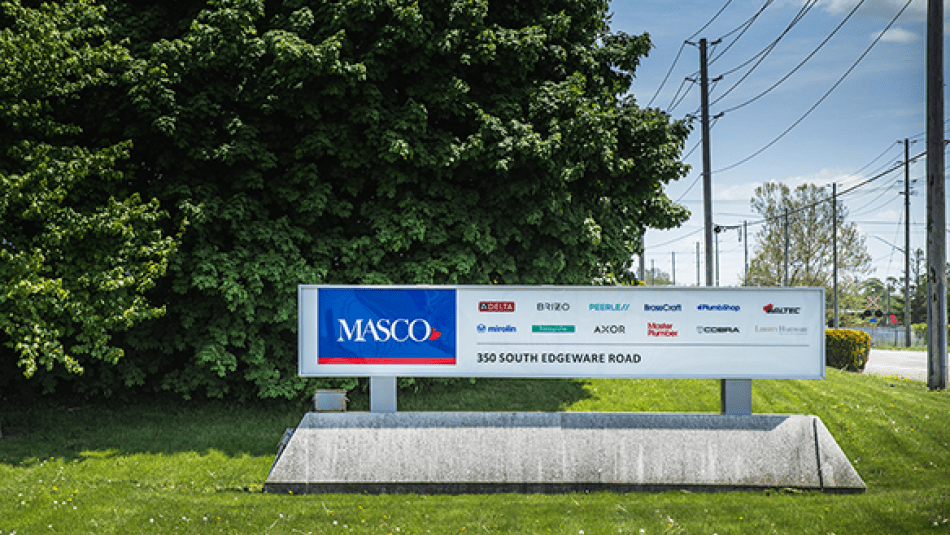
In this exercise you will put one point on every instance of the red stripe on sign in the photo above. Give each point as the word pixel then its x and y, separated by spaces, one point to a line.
pixel 450 362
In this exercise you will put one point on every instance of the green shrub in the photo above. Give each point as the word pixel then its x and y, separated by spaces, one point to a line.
pixel 846 349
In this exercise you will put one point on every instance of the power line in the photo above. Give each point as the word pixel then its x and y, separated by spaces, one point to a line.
pixel 691 37
pixel 744 27
pixel 791 72
pixel 823 97
pixel 764 53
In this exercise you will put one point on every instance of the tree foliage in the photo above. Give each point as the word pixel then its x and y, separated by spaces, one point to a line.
pixel 375 142
pixel 78 249
pixel 811 223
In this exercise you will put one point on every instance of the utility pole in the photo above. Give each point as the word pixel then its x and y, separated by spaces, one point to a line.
pixel 718 229
pixel 745 231
pixel 936 204
pixel 707 164
pixel 906 242
pixel 697 264
pixel 673 270
pixel 786 248
pixel 652 272
pixel 834 246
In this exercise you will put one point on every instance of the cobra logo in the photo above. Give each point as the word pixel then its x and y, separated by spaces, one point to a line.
pixel 384 330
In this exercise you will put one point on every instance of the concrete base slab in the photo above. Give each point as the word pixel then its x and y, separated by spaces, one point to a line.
pixel 453 453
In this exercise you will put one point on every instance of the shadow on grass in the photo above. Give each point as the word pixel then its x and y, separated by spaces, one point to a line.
pixel 159 424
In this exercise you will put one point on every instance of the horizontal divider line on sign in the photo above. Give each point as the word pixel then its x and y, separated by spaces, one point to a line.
pixel 634 344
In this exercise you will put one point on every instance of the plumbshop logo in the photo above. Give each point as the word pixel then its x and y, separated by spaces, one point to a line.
pixel 662 308
pixel 496 306
pixel 772 309
pixel 718 308
pixel 609 307
pixel 384 330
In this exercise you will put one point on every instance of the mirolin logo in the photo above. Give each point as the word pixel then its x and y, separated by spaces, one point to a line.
pixel 384 330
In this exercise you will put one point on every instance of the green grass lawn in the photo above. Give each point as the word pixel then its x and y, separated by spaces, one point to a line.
pixel 169 466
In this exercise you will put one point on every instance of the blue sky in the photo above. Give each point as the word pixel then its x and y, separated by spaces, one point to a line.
pixel 851 136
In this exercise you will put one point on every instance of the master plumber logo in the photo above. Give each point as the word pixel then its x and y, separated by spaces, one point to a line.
pixel 496 306
pixel 384 330
pixel 482 329
pixel 772 309
pixel 718 308
pixel 609 307
pixel 554 307
pixel 662 308
pixel 661 330
pixel 717 330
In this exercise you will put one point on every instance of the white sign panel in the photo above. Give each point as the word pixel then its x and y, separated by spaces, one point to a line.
pixel 547 331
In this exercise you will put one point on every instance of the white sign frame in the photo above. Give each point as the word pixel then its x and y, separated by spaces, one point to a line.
pixel 662 332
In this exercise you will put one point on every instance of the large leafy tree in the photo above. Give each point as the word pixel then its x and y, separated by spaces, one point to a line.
pixel 811 223
pixel 78 246
pixel 370 142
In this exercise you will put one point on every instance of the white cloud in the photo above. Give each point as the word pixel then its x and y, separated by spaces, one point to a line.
pixel 898 35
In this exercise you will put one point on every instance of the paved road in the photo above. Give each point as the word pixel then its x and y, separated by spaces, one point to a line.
pixel 909 364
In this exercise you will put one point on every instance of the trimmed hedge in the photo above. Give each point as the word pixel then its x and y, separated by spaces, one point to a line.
pixel 846 349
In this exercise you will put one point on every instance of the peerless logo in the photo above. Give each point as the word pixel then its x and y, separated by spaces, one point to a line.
pixel 662 308
pixel 384 330
pixel 661 330
pixel 496 306
pixel 554 307
pixel 609 329
pixel 718 308
pixel 482 329
pixel 717 330
pixel 772 309
pixel 609 307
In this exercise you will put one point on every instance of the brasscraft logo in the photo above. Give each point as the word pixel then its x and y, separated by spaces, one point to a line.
pixel 384 330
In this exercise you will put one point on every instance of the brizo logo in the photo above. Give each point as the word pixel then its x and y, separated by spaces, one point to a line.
pixel 496 306
pixel 384 330
pixel 554 307
pixel 771 309
pixel 717 330
pixel 718 308
pixel 662 308
pixel 607 307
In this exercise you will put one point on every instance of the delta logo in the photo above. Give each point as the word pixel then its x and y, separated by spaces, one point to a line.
pixel 496 306
pixel 385 330
pixel 772 309
pixel 661 330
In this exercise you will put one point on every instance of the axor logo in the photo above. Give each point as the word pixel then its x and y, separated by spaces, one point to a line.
pixel 384 330
pixel 610 329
